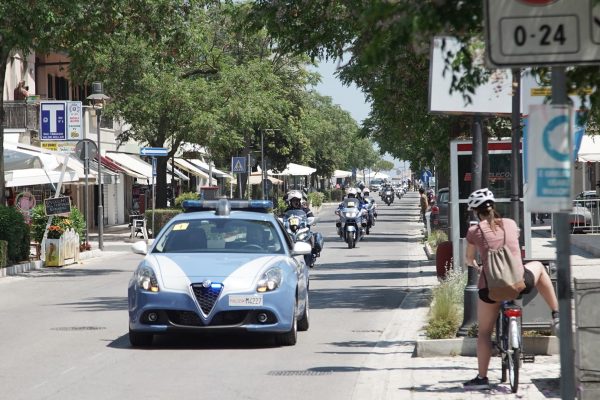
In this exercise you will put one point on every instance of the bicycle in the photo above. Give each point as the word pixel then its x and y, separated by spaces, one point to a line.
pixel 509 341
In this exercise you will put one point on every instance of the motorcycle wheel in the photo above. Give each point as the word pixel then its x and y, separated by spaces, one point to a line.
pixel 350 239
pixel 368 229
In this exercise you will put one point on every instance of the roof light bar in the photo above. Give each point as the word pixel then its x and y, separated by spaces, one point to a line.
pixel 224 206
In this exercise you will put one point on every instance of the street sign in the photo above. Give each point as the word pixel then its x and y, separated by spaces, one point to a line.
pixel 238 164
pixel 542 32
pixel 154 151
pixel 548 155
pixel 74 120
pixel 91 148
pixel 53 122
pixel 153 166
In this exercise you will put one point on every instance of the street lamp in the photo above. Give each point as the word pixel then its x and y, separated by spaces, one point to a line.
pixel 98 98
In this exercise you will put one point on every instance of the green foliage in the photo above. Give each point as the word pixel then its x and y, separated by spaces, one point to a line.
pixel 445 313
pixel 435 238
pixel 280 207
pixel 185 196
pixel 39 219
pixel 15 231
pixel 3 253
pixel 161 218
pixel 315 199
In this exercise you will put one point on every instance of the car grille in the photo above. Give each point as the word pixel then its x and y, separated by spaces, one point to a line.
pixel 186 318
pixel 207 296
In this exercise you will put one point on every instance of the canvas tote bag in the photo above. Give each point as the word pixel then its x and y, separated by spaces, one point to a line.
pixel 504 275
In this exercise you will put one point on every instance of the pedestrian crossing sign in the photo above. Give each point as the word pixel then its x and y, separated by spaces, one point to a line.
pixel 238 164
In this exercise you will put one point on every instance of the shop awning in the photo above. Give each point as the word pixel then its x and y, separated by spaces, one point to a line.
pixel 256 179
pixel 217 173
pixel 191 168
pixel 133 164
pixel 37 176
pixel 341 174
pixel 295 170
pixel 178 173
pixel 589 150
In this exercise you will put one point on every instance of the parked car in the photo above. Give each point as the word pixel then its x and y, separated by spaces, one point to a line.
pixel 580 219
pixel 439 210
pixel 220 266
pixel 589 199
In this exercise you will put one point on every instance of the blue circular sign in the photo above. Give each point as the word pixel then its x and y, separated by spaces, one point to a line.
pixel 548 143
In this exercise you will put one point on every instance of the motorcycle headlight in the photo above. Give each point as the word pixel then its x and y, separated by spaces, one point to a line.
pixel 146 279
pixel 270 280
pixel 350 214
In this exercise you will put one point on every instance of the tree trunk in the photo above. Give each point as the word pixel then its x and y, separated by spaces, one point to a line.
pixel 3 61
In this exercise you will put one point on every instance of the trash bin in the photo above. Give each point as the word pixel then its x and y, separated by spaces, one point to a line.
pixel 443 259
pixel 536 313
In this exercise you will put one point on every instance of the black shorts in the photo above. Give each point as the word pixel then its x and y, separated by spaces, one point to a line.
pixel 529 284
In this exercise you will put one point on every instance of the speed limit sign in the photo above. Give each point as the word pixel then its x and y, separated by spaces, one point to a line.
pixel 542 32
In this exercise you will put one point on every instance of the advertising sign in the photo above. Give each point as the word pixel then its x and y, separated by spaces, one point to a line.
pixel 549 156
pixel 74 120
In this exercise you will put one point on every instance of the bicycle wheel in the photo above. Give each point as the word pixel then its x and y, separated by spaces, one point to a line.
pixel 513 364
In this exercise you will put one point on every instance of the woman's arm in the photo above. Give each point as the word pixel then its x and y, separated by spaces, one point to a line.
pixel 470 256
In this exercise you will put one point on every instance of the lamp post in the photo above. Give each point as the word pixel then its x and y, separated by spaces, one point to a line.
pixel 98 98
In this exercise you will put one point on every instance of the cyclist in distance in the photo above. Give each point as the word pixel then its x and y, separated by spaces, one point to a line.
pixel 497 231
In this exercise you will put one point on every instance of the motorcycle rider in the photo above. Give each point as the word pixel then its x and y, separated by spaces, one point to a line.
pixel 352 193
pixel 295 201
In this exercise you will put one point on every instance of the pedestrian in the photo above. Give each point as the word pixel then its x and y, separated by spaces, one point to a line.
pixel 424 204
pixel 21 91
pixel 494 232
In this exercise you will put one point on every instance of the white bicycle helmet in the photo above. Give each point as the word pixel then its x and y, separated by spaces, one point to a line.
pixel 366 191
pixel 479 197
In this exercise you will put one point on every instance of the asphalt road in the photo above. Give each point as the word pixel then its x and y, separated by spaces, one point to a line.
pixel 64 331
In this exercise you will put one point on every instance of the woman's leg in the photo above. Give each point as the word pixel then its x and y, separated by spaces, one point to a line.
pixel 486 318
pixel 543 283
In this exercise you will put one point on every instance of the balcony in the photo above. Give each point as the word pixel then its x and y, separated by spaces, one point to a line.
pixel 20 115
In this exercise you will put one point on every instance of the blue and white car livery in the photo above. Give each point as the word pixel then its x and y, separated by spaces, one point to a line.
pixel 221 265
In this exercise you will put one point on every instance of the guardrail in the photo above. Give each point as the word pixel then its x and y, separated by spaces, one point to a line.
pixel 585 217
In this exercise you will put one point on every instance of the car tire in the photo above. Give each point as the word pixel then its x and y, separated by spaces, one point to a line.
pixel 288 338
pixel 138 339
pixel 303 322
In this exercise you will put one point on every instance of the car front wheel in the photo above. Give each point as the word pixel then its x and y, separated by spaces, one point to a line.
pixel 303 322
pixel 288 338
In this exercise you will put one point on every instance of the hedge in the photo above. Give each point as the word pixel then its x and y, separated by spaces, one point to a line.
pixel 15 231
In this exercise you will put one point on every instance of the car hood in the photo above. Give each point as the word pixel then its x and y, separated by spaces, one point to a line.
pixel 178 271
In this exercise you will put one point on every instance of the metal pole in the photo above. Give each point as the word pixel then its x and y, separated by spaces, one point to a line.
pixel 563 262
pixel 515 142
pixel 153 193
pixel 262 163
pixel 100 199
pixel 86 164
pixel 471 291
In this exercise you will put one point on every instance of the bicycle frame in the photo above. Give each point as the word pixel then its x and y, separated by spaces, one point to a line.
pixel 509 341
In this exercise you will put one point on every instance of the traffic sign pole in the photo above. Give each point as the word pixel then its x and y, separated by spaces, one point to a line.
pixel 563 271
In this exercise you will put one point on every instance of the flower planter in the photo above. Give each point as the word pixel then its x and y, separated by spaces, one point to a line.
pixel 62 251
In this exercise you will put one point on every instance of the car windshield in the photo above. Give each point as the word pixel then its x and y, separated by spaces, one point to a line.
pixel 220 235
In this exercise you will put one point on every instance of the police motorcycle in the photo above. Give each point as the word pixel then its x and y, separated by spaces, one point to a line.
pixel 371 207
pixel 298 225
pixel 353 222
pixel 388 195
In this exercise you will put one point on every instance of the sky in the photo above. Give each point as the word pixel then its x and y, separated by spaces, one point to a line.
pixel 349 98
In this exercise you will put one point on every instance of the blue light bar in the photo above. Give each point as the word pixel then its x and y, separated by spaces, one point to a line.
pixel 224 206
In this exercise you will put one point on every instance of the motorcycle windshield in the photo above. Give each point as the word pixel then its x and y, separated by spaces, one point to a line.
pixel 350 203
pixel 295 217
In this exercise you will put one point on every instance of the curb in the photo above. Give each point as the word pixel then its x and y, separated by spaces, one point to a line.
pixel 20 268
pixel 537 345
pixel 429 251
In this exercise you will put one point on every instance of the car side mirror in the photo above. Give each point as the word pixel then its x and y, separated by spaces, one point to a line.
pixel 140 248
pixel 301 248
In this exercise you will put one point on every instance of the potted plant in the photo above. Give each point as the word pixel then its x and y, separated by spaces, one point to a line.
pixel 53 248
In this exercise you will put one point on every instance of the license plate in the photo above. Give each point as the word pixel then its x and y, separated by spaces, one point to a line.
pixel 241 300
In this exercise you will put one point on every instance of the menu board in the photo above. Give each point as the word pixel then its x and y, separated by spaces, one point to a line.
pixel 57 205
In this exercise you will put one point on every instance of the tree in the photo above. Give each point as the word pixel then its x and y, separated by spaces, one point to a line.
pixel 40 26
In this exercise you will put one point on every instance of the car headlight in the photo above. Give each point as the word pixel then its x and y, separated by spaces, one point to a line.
pixel 270 280
pixel 146 279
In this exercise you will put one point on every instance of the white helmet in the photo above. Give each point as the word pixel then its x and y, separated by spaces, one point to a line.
pixel 478 197
pixel 366 191
pixel 352 191
pixel 294 194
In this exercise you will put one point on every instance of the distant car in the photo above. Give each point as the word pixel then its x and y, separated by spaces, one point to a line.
pixel 439 210
pixel 220 266
pixel 589 199
pixel 580 219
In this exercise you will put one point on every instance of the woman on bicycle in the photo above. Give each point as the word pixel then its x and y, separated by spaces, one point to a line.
pixel 498 231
